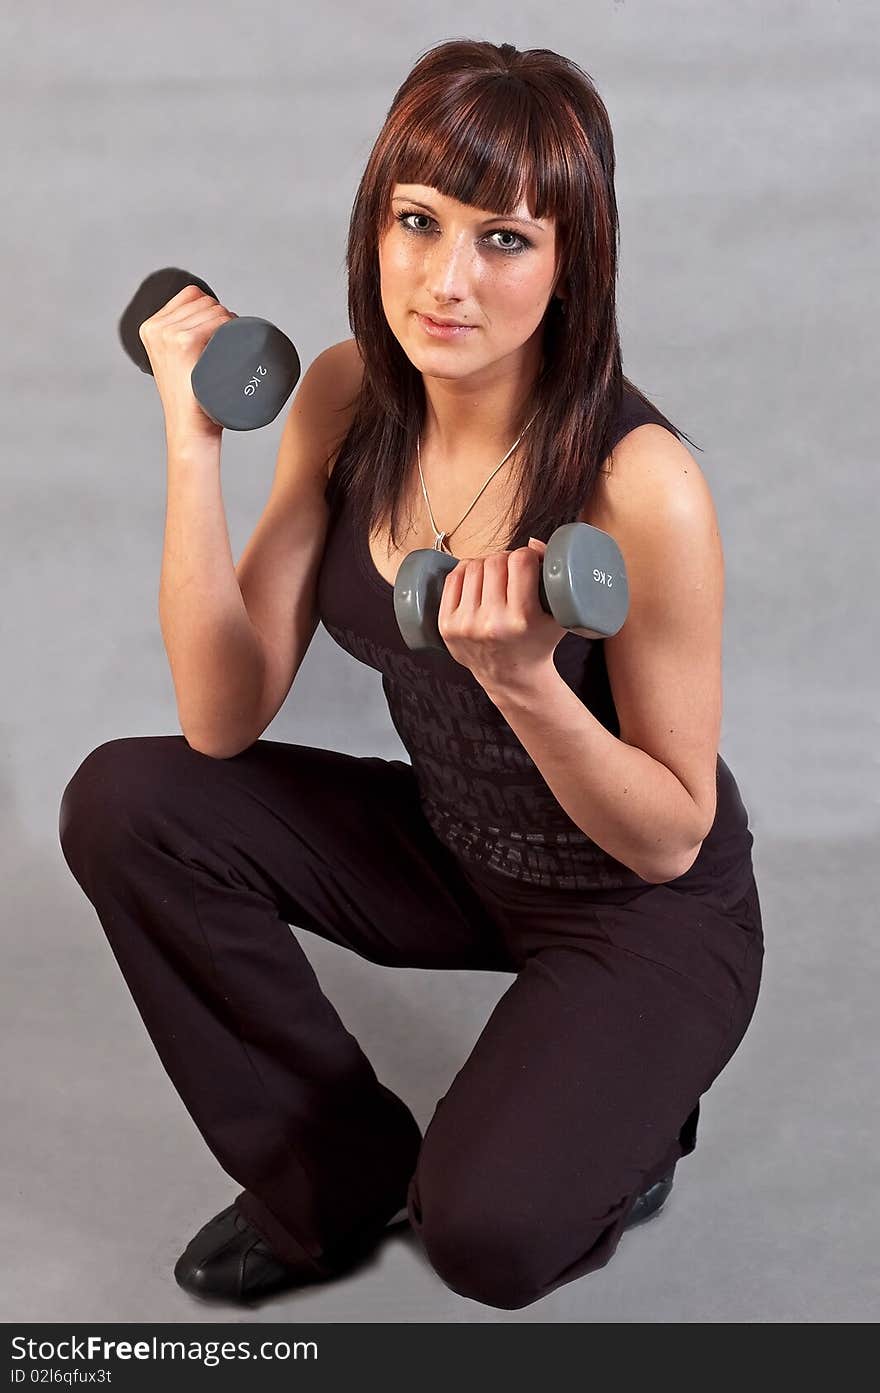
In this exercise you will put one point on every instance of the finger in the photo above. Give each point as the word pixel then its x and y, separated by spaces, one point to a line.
pixel 187 296
pixel 523 571
pixel 495 580
pixel 450 595
pixel 200 314
pixel 472 585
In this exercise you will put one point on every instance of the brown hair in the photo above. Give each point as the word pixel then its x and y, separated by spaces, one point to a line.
pixel 488 125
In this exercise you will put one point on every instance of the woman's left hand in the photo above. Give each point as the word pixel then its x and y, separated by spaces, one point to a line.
pixel 491 620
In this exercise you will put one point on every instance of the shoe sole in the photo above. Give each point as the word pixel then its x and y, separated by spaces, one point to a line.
pixel 650 1203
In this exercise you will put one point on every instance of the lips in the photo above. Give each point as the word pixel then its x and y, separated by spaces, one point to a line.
pixel 446 323
pixel 449 333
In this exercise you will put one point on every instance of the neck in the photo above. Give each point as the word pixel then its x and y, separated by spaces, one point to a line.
pixel 479 416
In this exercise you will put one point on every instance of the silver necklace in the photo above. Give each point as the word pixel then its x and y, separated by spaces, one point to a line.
pixel 440 538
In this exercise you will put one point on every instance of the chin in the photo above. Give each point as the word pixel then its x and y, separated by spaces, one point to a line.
pixel 434 357
pixel 433 365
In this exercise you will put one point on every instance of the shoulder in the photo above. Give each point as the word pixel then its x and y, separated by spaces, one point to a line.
pixel 654 500
pixel 333 380
pixel 649 468
pixel 342 371
pixel 337 373
pixel 350 361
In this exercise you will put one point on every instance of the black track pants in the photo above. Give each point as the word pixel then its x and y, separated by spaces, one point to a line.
pixel 582 1088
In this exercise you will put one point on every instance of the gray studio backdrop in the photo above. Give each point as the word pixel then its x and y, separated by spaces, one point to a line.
pixel 229 139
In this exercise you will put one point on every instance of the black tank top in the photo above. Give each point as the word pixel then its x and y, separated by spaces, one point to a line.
pixel 480 790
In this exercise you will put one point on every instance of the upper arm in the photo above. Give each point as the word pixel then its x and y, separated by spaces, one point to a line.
pixel 278 569
pixel 664 665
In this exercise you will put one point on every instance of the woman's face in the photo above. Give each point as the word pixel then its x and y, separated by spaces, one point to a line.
pixel 439 257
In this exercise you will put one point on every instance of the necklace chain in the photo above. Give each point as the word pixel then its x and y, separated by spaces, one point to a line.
pixel 440 538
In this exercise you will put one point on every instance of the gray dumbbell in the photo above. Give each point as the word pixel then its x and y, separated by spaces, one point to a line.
pixel 247 369
pixel 582 583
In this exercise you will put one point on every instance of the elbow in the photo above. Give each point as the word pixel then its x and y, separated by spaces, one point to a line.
pixel 666 872
pixel 216 751
pixel 219 744
pixel 665 875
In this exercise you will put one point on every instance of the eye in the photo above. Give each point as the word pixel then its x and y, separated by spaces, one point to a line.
pixel 522 242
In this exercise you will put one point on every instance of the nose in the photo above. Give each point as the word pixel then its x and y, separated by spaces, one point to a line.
pixel 449 270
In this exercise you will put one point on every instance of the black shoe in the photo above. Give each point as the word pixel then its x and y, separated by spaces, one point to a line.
pixel 650 1201
pixel 230 1260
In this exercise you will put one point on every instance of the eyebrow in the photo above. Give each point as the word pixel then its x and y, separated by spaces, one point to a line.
pixel 499 217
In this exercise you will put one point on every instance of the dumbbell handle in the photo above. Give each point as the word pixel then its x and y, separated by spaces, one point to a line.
pixel 418 590
pixel 582 583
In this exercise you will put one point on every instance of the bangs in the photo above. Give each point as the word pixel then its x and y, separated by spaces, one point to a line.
pixel 485 148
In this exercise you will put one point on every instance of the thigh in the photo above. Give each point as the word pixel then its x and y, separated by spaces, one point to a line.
pixel 582 1089
pixel 334 843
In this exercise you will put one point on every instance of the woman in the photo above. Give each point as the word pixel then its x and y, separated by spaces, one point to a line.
pixel 566 816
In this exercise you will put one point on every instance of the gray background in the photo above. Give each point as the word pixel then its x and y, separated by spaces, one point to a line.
pixel 229 139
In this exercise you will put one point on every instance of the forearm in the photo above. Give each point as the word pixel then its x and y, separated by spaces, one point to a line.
pixel 623 799
pixel 213 650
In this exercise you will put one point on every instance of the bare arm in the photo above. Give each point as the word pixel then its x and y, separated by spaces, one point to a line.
pixel 236 635
pixel 214 651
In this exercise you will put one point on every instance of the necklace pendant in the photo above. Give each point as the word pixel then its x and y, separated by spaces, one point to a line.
pixel 440 541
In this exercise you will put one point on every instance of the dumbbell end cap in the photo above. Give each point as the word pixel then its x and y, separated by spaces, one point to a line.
pixel 246 373
pixel 154 291
pixel 418 589
pixel 584 577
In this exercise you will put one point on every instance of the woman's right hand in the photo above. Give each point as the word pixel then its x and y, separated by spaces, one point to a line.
pixel 175 338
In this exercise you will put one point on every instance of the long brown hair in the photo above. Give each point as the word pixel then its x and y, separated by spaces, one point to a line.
pixel 486 125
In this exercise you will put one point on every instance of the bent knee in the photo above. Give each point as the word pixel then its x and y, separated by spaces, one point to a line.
pixel 497 1262
pixel 496 1255
pixel 113 785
